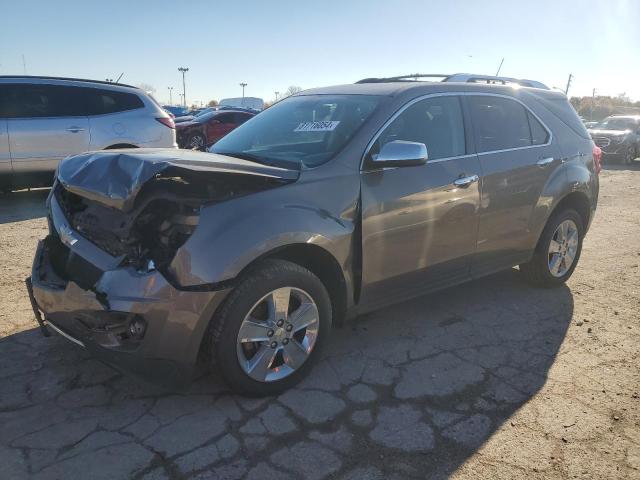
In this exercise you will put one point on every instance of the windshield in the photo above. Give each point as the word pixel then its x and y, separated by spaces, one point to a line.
pixel 617 123
pixel 307 129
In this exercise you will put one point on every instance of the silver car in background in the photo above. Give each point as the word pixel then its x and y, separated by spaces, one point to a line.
pixel 45 119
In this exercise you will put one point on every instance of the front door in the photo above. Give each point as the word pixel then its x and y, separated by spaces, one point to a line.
pixel 419 228
pixel 46 123
pixel 517 157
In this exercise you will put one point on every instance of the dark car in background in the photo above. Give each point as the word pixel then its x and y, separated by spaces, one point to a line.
pixel 619 138
pixel 204 130
pixel 176 111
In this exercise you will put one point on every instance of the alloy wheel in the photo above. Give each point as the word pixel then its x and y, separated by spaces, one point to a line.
pixel 278 334
pixel 196 142
pixel 563 248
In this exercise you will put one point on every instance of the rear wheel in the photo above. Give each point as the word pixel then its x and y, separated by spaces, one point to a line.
pixel 270 329
pixel 196 141
pixel 630 155
pixel 557 252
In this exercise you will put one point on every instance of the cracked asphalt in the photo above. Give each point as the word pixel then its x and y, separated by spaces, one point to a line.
pixel 493 379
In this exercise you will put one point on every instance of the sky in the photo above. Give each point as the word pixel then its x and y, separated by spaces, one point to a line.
pixel 273 44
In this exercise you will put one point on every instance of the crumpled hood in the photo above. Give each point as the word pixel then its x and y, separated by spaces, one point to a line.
pixel 115 177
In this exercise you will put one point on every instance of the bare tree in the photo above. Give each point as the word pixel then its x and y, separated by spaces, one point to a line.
pixel 292 90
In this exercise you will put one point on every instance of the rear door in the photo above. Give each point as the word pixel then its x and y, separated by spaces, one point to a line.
pixel 45 124
pixel 219 126
pixel 517 156
pixel 418 228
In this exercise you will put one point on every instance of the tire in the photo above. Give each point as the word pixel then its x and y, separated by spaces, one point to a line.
pixel 543 270
pixel 629 156
pixel 196 141
pixel 254 294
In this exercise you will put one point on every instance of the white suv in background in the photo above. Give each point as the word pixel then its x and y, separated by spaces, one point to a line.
pixel 45 119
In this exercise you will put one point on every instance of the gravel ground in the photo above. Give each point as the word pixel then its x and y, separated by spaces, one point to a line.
pixel 492 379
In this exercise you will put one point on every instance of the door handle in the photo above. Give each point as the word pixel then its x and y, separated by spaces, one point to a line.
pixel 75 129
pixel 543 162
pixel 465 181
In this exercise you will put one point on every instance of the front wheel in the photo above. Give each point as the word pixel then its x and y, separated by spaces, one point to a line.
pixel 557 252
pixel 270 329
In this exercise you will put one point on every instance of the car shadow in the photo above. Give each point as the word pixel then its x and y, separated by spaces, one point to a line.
pixel 412 391
pixel 23 205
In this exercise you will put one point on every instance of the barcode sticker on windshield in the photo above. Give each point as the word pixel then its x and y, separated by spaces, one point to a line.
pixel 317 126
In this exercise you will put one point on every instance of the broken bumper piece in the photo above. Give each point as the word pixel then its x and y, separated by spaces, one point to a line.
pixel 135 321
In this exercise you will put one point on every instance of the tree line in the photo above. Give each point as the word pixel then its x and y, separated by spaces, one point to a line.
pixel 598 107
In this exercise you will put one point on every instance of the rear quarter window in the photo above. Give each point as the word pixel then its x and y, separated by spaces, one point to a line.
pixel 562 109
pixel 100 102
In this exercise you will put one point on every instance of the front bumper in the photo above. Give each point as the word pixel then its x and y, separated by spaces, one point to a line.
pixel 96 307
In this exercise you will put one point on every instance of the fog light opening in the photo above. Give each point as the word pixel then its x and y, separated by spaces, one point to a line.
pixel 137 327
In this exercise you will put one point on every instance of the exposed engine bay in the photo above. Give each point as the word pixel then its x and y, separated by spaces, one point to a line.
pixel 164 213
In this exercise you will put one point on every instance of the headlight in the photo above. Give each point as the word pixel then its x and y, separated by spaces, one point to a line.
pixel 619 140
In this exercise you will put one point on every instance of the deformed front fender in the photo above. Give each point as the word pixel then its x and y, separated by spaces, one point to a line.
pixel 231 235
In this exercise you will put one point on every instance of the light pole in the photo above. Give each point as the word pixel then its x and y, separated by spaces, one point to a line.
pixel 243 85
pixel 593 101
pixel 170 96
pixel 184 88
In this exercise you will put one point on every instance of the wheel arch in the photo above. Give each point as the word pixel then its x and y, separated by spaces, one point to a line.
pixel 576 200
pixel 321 263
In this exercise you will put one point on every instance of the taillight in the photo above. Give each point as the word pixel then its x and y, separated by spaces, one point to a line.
pixel 167 122
pixel 597 158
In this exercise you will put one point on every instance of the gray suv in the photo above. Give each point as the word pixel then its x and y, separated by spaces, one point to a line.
pixel 334 202
pixel 44 119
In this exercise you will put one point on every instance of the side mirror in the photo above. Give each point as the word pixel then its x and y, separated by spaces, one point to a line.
pixel 401 154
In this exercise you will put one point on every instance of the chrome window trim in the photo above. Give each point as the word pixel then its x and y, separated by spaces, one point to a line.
pixel 452 94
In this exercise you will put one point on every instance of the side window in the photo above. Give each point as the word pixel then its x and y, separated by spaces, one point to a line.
pixel 437 122
pixel 101 102
pixel 37 101
pixel 240 118
pixel 539 135
pixel 500 123
pixel 225 118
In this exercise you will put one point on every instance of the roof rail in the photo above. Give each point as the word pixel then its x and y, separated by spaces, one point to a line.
pixel 39 77
pixel 459 77
pixel 492 79
pixel 404 78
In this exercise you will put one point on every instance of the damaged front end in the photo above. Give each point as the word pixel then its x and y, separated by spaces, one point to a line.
pixel 148 216
pixel 116 221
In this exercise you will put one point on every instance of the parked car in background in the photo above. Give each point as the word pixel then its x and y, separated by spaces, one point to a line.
pixel 44 119
pixel 176 110
pixel 205 129
pixel 329 204
pixel 590 124
pixel 194 113
pixel 619 138
pixel 253 103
